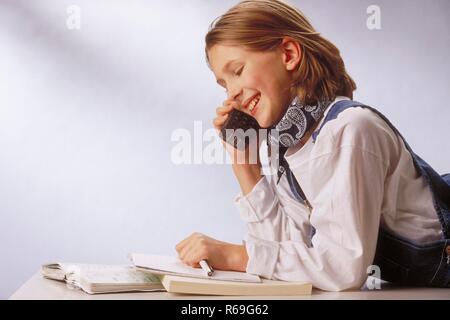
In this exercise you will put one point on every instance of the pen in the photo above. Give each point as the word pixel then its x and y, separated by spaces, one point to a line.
pixel 206 267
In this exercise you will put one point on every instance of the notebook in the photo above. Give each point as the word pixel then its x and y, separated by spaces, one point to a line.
pixel 163 273
pixel 169 265
pixel 94 279
pixel 179 278
pixel 189 285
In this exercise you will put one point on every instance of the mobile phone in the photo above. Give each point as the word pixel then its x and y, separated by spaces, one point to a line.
pixel 239 120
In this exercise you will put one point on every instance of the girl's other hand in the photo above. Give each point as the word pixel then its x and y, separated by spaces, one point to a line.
pixel 220 255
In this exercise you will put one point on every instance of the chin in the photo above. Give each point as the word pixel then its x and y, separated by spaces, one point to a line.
pixel 265 118
pixel 264 121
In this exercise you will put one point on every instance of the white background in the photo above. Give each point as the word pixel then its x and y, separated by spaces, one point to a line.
pixel 86 119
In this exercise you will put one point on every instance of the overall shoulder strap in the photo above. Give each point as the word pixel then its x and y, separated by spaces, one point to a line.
pixel 439 185
pixel 335 110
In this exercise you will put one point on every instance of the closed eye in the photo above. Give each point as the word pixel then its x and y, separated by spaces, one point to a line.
pixel 238 73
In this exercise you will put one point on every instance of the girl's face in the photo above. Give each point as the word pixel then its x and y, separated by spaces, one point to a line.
pixel 262 77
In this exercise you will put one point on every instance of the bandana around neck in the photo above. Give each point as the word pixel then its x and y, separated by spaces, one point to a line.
pixel 297 121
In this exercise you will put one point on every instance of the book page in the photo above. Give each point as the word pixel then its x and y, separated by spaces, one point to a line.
pixel 109 274
pixel 95 278
pixel 173 266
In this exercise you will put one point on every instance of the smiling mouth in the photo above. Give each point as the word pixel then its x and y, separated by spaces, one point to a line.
pixel 252 105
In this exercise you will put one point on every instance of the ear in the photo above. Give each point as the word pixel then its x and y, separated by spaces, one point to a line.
pixel 291 53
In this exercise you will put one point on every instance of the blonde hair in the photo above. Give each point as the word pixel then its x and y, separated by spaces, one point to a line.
pixel 260 25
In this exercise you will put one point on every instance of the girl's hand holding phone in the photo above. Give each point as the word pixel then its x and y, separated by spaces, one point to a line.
pixel 242 145
pixel 246 166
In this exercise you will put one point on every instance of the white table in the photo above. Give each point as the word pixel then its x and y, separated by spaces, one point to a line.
pixel 38 288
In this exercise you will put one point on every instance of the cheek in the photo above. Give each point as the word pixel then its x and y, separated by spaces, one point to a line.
pixel 256 82
pixel 274 88
pixel 272 83
pixel 272 108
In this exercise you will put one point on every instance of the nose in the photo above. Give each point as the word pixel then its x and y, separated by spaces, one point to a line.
pixel 234 93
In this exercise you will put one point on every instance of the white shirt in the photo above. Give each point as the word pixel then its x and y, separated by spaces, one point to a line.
pixel 357 175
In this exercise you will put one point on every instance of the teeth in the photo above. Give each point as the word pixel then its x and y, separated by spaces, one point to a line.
pixel 253 103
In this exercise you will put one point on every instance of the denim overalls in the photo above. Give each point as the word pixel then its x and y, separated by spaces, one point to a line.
pixel 400 260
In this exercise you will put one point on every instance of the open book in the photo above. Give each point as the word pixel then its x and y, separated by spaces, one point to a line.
pixel 93 278
pixel 163 273
pixel 179 278
pixel 168 265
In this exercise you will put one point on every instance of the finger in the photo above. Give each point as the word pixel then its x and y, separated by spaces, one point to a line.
pixel 230 104
pixel 180 245
pixel 194 255
pixel 220 121
pixel 225 109
pixel 183 253
pixel 184 242
pixel 193 250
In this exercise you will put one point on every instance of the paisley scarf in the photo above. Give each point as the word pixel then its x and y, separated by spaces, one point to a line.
pixel 296 122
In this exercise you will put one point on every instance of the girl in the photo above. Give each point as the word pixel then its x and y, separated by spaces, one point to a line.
pixel 349 193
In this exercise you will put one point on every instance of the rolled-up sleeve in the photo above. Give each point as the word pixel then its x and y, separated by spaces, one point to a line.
pixel 346 215
pixel 272 214
pixel 260 203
